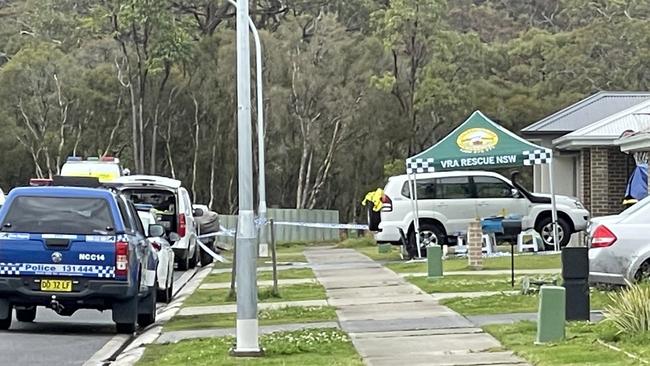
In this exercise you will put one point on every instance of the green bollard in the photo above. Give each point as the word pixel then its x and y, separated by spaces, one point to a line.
pixel 551 314
pixel 384 248
pixel 434 261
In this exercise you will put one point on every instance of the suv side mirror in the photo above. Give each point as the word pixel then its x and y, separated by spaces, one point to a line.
pixel 197 212
pixel 515 193
pixel 156 231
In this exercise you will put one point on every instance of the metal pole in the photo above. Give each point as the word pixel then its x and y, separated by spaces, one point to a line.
pixel 261 188
pixel 246 255
pixel 274 260
pixel 553 207
pixel 261 211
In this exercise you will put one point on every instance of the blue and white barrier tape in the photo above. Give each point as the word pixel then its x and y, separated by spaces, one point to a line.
pixel 222 232
pixel 212 253
pixel 323 226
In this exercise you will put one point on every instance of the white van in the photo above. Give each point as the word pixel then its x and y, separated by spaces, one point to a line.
pixel 449 201
pixel 106 168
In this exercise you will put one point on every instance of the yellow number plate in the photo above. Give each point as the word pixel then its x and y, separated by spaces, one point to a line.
pixel 56 285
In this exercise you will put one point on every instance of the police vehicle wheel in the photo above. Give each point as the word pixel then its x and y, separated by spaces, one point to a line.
pixel 125 328
pixel 170 291
pixel 149 317
pixel 26 315
pixel 5 323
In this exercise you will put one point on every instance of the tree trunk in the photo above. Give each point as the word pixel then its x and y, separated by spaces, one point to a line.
pixel 196 146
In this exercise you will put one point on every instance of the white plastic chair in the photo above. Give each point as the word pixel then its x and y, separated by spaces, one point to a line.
pixel 529 239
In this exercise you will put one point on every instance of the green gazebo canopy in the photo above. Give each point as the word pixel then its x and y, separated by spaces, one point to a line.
pixel 478 143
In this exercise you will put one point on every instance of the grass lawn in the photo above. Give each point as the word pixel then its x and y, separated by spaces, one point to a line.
pixel 506 303
pixel 307 291
pixel 460 264
pixel 368 246
pixel 314 347
pixel 286 315
pixel 287 274
pixel 580 347
pixel 471 283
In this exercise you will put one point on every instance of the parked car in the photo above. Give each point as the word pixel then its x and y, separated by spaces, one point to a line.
pixel 156 237
pixel 173 207
pixel 70 248
pixel 619 251
pixel 207 222
pixel 448 201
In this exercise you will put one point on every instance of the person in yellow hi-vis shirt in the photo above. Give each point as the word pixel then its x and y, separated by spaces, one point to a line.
pixel 373 203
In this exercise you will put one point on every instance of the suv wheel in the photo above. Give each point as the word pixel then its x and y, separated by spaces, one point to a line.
pixel 5 323
pixel 125 328
pixel 430 234
pixel 545 229
pixel 195 258
pixel 26 315
pixel 148 314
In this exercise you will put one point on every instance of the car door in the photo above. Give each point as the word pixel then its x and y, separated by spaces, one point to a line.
pixel 455 202
pixel 495 197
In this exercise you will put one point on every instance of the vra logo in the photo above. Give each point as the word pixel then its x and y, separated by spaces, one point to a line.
pixel 91 257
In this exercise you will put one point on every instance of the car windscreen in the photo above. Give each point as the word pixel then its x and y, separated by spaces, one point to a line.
pixel 59 215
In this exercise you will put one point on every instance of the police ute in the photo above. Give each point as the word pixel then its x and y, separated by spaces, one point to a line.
pixel 69 247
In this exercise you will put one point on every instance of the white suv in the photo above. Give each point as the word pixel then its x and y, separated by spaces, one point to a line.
pixel 173 207
pixel 448 201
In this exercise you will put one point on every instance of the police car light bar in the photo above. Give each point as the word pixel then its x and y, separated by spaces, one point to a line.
pixel 38 182
pixel 93 158
pixel 107 158
pixel 74 158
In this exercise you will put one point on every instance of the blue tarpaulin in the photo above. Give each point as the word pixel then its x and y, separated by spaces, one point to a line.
pixel 637 186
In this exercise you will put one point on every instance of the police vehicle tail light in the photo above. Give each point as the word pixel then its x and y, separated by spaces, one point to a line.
pixel 182 225
pixel 121 258
pixel 387 203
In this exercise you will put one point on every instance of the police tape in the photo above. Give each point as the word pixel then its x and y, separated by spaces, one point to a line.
pixel 259 222
pixel 322 225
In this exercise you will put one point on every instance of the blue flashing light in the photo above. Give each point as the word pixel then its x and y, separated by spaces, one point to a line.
pixel 74 158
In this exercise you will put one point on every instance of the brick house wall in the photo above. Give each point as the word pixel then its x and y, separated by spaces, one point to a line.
pixel 607 180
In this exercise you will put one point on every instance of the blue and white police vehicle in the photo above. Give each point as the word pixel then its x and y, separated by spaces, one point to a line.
pixel 70 248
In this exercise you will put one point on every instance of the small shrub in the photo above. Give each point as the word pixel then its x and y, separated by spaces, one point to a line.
pixel 630 309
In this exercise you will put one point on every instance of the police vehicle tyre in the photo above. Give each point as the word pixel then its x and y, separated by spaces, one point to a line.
pixel 125 328
pixel 5 323
pixel 205 257
pixel 26 315
pixel 374 218
pixel 148 316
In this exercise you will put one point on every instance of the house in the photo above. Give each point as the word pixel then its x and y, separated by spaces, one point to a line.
pixel 588 163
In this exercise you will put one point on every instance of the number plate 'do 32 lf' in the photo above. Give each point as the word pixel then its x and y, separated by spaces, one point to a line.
pixel 56 285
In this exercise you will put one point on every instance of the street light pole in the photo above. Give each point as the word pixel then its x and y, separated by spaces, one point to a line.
pixel 261 187
pixel 246 253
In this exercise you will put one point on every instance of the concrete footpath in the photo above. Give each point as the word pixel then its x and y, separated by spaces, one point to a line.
pixel 392 322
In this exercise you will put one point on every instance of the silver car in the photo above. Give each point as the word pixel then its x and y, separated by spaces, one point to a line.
pixel 620 246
